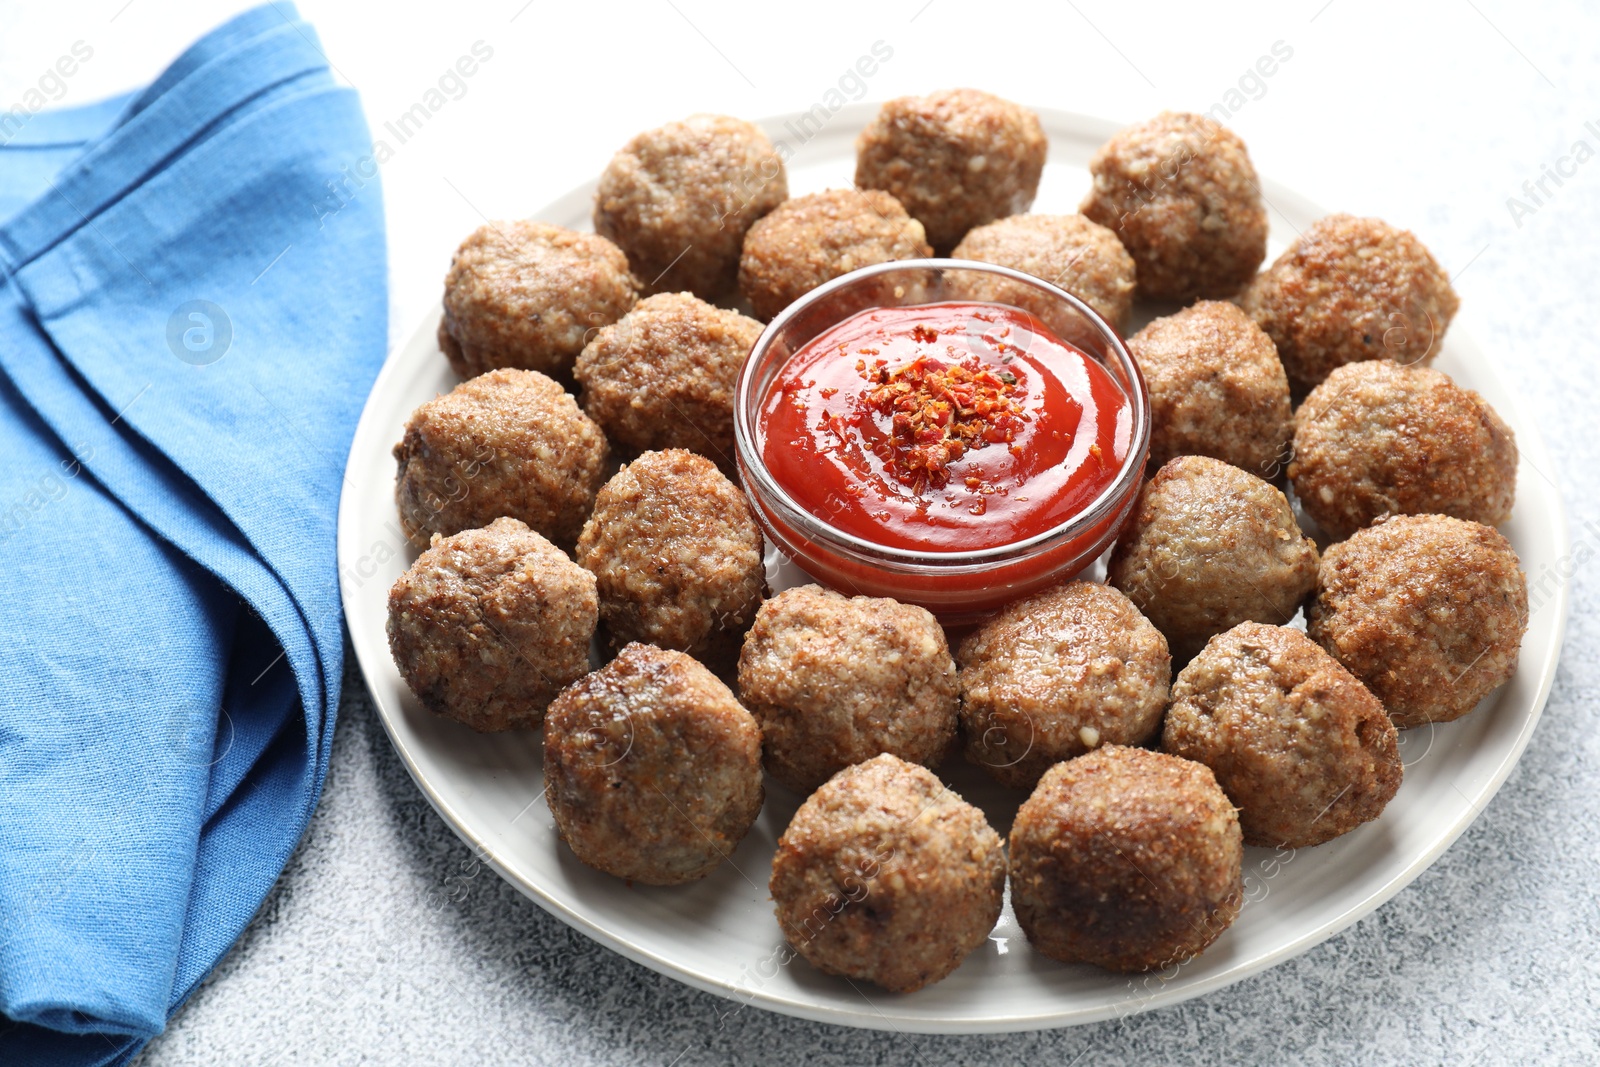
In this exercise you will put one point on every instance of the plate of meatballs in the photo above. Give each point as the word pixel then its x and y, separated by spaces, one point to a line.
pixel 1316 634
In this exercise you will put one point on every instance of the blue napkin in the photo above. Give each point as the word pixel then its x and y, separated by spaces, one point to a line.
pixel 193 295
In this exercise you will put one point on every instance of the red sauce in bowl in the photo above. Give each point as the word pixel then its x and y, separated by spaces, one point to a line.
pixel 943 427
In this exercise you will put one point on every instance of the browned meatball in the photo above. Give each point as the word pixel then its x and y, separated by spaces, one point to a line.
pixel 1181 193
pixel 1128 859
pixel 677 555
pixel 1427 610
pixel 813 239
pixel 1216 389
pixel 1209 547
pixel 1351 289
pixel 1068 251
pixel 652 769
pixel 488 625
pixel 1057 674
pixel 836 680
pixel 1301 747
pixel 509 442
pixel 663 376
pixel 1377 438
pixel 886 875
pixel 679 199
pixel 501 443
pixel 956 159
pixel 526 294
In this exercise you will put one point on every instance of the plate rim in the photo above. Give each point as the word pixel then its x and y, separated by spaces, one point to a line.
pixel 1091 126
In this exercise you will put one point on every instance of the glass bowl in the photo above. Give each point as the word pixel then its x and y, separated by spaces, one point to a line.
pixel 957 586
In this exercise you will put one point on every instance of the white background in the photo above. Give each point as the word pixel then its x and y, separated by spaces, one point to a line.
pixel 386 944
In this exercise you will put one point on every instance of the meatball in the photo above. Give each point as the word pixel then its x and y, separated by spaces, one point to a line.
pixel 652 769
pixel 663 376
pixel 1427 610
pixel 509 442
pixel 1347 290
pixel 813 239
pixel 1180 192
pixel 488 625
pixel 679 199
pixel 1128 859
pixel 836 680
pixel 525 294
pixel 886 875
pixel 677 555
pixel 956 159
pixel 1068 251
pixel 1211 546
pixel 1216 389
pixel 1377 438
pixel 1057 674
pixel 1301 747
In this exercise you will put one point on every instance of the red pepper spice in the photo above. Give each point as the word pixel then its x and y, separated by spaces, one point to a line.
pixel 939 412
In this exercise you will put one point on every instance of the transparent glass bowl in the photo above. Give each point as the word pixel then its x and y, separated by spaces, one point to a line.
pixel 958 587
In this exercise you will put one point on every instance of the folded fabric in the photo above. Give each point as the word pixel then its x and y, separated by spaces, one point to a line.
pixel 192 310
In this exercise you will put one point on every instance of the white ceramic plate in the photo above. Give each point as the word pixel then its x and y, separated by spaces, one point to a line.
pixel 720 934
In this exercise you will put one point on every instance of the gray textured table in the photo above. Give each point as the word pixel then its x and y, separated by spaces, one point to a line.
pixel 385 942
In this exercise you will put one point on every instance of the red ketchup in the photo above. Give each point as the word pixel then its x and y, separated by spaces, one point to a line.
pixel 943 427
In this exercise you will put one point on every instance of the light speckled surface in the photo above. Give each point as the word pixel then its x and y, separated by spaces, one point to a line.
pixel 386 943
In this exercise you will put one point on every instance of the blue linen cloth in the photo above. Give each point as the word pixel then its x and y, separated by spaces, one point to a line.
pixel 193 306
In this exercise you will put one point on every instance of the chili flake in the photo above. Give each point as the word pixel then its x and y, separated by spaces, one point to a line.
pixel 938 412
